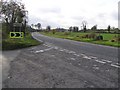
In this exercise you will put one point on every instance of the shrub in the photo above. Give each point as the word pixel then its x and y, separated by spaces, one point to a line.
pixel 116 38
pixel 112 40
pixel 91 35
pixel 77 36
pixel 100 37
pixel 85 36
pixel 53 31
pixel 67 33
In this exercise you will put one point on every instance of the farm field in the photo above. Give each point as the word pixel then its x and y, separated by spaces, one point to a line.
pixel 107 37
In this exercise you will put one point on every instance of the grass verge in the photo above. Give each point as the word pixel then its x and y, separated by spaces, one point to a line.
pixel 12 44
pixel 74 36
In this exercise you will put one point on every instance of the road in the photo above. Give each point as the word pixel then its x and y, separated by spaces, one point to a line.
pixel 61 63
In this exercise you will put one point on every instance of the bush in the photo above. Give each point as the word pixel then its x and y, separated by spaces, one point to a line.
pixel 112 40
pixel 91 35
pixel 77 36
pixel 116 39
pixel 53 31
pixel 67 33
pixel 99 37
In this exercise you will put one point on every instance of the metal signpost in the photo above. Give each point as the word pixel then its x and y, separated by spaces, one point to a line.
pixel 17 32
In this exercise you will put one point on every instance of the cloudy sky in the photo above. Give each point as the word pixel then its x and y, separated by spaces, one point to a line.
pixel 66 13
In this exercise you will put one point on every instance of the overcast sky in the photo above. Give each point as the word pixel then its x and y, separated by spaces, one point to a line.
pixel 66 13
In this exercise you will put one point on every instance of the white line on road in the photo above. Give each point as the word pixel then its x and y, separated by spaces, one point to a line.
pixel 40 51
pixel 115 66
pixel 86 57
pixel 72 58
pixel 100 61
pixel 93 57
pixel 106 60
pixel 72 52
pixel 76 55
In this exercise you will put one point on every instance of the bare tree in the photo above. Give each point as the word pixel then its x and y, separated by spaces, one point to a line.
pixel 84 25
pixel 108 28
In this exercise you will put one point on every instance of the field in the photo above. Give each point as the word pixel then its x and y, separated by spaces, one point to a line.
pixel 107 37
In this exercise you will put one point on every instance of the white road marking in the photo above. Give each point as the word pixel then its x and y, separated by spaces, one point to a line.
pixel 48 49
pixel 40 51
pixel 93 57
pixel 95 65
pixel 118 64
pixel 115 66
pixel 106 60
pixel 61 50
pixel 86 57
pixel 72 58
pixel 55 47
pixel 76 55
pixel 96 68
pixel 72 52
pixel 83 54
pixel 100 61
pixel 67 51
pixel 53 55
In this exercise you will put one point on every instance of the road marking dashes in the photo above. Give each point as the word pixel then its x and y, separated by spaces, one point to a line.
pixel 93 57
pixel 86 57
pixel 100 61
pixel 106 60
pixel 40 51
pixel 96 68
pixel 72 52
pixel 72 58
pixel 115 66
pixel 77 55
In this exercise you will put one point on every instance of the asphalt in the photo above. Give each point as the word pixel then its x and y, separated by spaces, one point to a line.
pixel 61 63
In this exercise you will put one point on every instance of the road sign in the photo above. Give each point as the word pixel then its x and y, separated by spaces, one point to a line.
pixel 16 34
pixel 17 24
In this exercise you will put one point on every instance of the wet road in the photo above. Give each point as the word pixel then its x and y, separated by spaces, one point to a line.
pixel 61 63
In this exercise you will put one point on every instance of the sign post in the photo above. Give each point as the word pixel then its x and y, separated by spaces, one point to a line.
pixel 17 32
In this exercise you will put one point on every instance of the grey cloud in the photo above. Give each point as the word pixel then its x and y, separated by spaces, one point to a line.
pixel 115 15
pixel 77 17
pixel 50 10
pixel 101 15
pixel 44 23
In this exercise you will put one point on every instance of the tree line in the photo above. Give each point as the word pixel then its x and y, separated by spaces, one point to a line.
pixel 13 12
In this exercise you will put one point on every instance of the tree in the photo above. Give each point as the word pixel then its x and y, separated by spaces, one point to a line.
pixel 32 25
pixel 109 28
pixel 70 28
pixel 75 29
pixel 13 12
pixel 84 25
pixel 48 28
pixel 94 28
pixel 39 26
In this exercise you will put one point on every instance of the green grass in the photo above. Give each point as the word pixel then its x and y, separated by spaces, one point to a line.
pixel 74 36
pixel 11 44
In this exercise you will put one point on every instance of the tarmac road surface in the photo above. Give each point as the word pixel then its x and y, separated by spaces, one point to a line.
pixel 61 63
